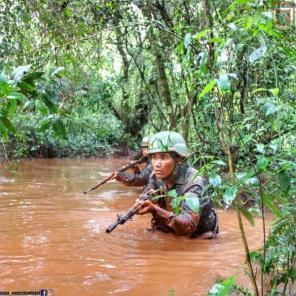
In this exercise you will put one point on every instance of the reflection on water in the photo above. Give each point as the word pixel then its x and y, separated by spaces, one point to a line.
pixel 53 236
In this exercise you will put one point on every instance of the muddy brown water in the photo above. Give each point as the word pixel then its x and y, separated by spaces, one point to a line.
pixel 53 236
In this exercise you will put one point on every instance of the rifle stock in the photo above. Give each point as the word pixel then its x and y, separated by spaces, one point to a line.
pixel 120 170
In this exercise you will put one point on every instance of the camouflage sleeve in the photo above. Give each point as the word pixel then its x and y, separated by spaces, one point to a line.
pixel 140 179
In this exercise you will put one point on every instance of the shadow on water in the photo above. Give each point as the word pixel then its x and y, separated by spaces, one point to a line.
pixel 53 236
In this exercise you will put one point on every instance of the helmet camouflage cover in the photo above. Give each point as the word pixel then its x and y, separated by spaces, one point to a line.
pixel 145 142
pixel 168 141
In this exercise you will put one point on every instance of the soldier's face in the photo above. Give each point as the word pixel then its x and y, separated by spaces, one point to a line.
pixel 163 164
pixel 145 151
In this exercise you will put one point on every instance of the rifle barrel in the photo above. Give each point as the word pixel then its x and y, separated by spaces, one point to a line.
pixel 121 169
pixel 112 226
pixel 100 183
pixel 121 219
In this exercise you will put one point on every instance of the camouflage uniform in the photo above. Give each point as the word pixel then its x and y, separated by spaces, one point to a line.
pixel 137 179
pixel 188 222
pixel 140 178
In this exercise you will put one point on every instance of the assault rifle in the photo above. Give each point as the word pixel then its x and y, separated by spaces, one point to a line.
pixel 121 219
pixel 120 170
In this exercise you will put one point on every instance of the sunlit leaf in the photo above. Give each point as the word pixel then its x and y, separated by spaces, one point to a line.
pixel 16 95
pixel 268 14
pixel 56 72
pixel 251 181
pixel 219 162
pixel 222 288
pixel 240 175
pixel 230 194
pixel 193 203
pixel 172 193
pixel 260 148
pixel 232 26
pixel 19 72
pixel 215 180
pixel 248 215
pixel 207 88
pixel 187 40
pixel 257 54
pixel 223 82
pixel 269 108
pixel 274 91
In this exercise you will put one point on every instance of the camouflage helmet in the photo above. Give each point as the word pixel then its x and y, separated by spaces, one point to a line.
pixel 168 141
pixel 145 142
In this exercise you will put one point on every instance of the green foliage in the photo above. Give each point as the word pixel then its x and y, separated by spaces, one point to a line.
pixel 279 257
pixel 222 288
pixel 104 73
pixel 27 89
pixel 177 202
pixel 228 287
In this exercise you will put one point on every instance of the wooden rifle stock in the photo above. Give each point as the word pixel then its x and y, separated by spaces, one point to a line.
pixel 121 169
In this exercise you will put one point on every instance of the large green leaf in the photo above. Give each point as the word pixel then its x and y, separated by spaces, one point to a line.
pixel 11 107
pixel 257 54
pixel 172 193
pixel 7 124
pixel 32 76
pixel 16 95
pixel 223 82
pixel 262 164
pixel 193 203
pixel 230 194
pixel 207 88
pixel 285 181
pixel 215 180
pixel 248 215
pixel 223 288
pixel 4 88
pixel 49 103
pixel 271 205
pixel 26 88
pixel 269 108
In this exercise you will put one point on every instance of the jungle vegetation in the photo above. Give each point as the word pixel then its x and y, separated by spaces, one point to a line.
pixel 91 78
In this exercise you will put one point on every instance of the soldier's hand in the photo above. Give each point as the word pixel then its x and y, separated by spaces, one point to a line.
pixel 136 170
pixel 120 177
pixel 145 206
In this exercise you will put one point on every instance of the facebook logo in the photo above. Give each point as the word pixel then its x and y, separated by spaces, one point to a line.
pixel 43 292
